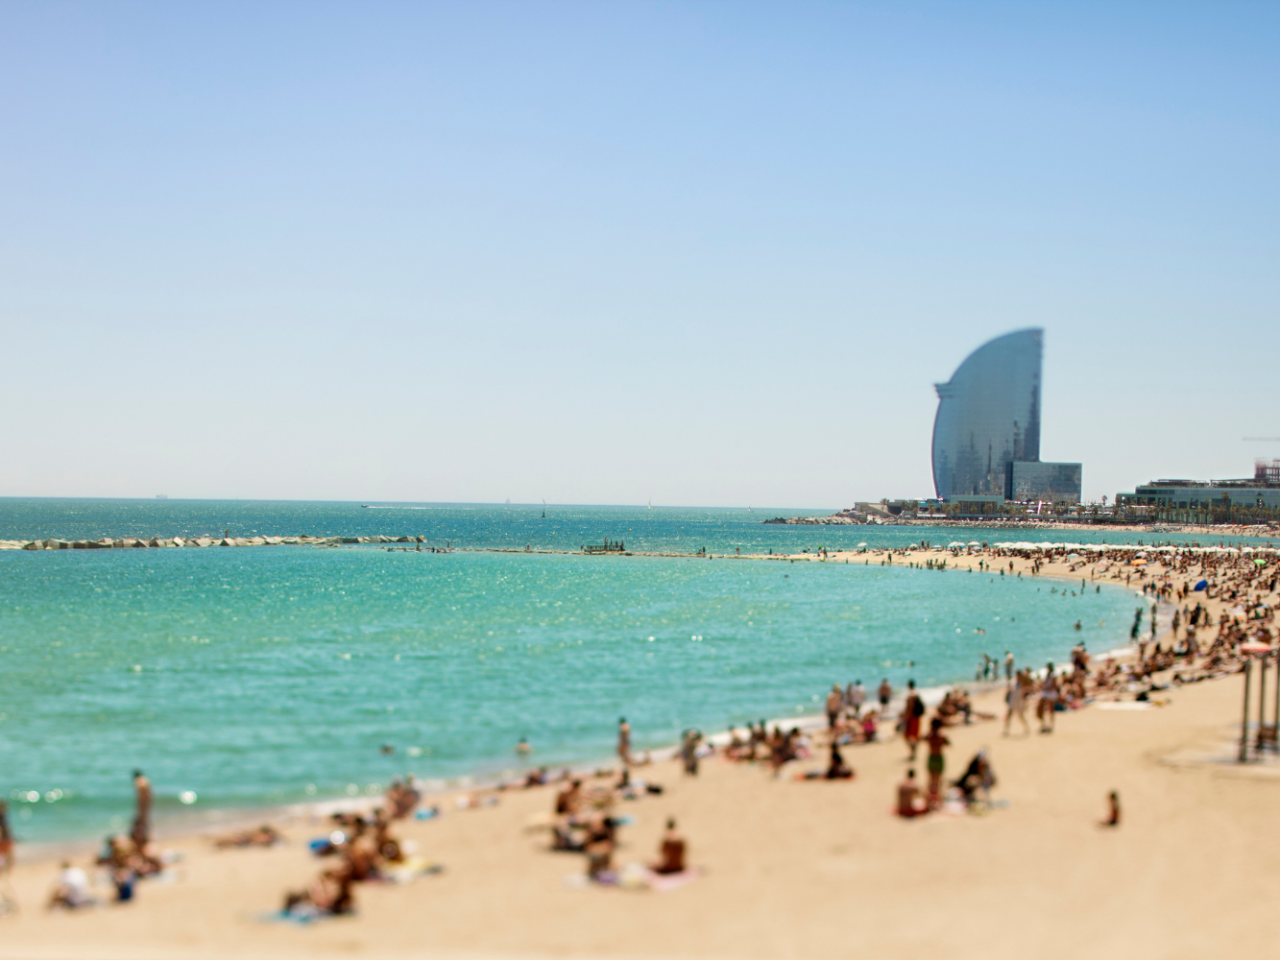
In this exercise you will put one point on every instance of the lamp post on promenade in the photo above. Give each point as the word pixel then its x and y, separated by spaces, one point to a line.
pixel 1244 722
pixel 1260 651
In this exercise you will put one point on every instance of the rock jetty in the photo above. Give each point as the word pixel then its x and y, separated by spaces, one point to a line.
pixel 156 542
pixel 852 516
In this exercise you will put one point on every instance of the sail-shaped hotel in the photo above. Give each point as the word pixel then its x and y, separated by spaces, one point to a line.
pixel 986 436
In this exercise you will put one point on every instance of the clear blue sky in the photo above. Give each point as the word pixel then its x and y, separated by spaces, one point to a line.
pixel 710 253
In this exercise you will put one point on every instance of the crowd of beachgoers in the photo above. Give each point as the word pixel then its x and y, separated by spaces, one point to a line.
pixel 1223 604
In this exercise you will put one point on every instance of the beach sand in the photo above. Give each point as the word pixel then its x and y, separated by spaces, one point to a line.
pixel 789 868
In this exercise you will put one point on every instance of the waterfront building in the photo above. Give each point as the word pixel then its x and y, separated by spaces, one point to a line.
pixel 986 435
pixel 1193 501
pixel 1054 482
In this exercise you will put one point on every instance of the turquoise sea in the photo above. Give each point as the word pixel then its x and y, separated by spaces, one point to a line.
pixel 268 675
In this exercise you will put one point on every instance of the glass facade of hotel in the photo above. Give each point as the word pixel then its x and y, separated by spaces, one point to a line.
pixel 988 416
pixel 1051 482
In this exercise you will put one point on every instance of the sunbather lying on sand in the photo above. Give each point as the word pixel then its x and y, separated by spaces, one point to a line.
pixel 330 894
pixel 263 836
pixel 629 789
pixel 837 769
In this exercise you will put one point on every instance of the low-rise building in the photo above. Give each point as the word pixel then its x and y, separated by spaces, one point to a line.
pixel 1193 501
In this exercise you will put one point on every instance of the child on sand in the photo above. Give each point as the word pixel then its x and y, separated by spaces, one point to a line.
pixel 937 762
pixel 72 889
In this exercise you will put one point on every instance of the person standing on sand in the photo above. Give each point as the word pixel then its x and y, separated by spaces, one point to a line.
pixel 912 711
pixel 937 762
pixel 885 693
pixel 1008 667
pixel 835 702
pixel 857 697
pixel 1113 814
pixel 690 740
pixel 7 856
pixel 624 741
pixel 1016 698
pixel 142 817
pixel 1048 700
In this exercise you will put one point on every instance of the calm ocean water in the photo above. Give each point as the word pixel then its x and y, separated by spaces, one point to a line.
pixel 266 675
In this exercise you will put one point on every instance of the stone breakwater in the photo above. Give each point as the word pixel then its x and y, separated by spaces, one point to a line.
pixel 157 542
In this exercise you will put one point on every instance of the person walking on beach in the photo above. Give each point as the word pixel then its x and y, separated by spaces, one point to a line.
pixel 1048 700
pixel 885 694
pixel 912 711
pixel 1113 812
pixel 624 741
pixel 142 817
pixel 689 743
pixel 857 697
pixel 1008 667
pixel 7 901
pixel 835 702
pixel 1016 700
pixel 6 840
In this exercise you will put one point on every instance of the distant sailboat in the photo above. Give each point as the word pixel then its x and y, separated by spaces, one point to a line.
pixel 544 508
pixel 651 503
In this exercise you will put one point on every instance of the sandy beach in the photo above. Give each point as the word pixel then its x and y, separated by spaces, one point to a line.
pixel 789 868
